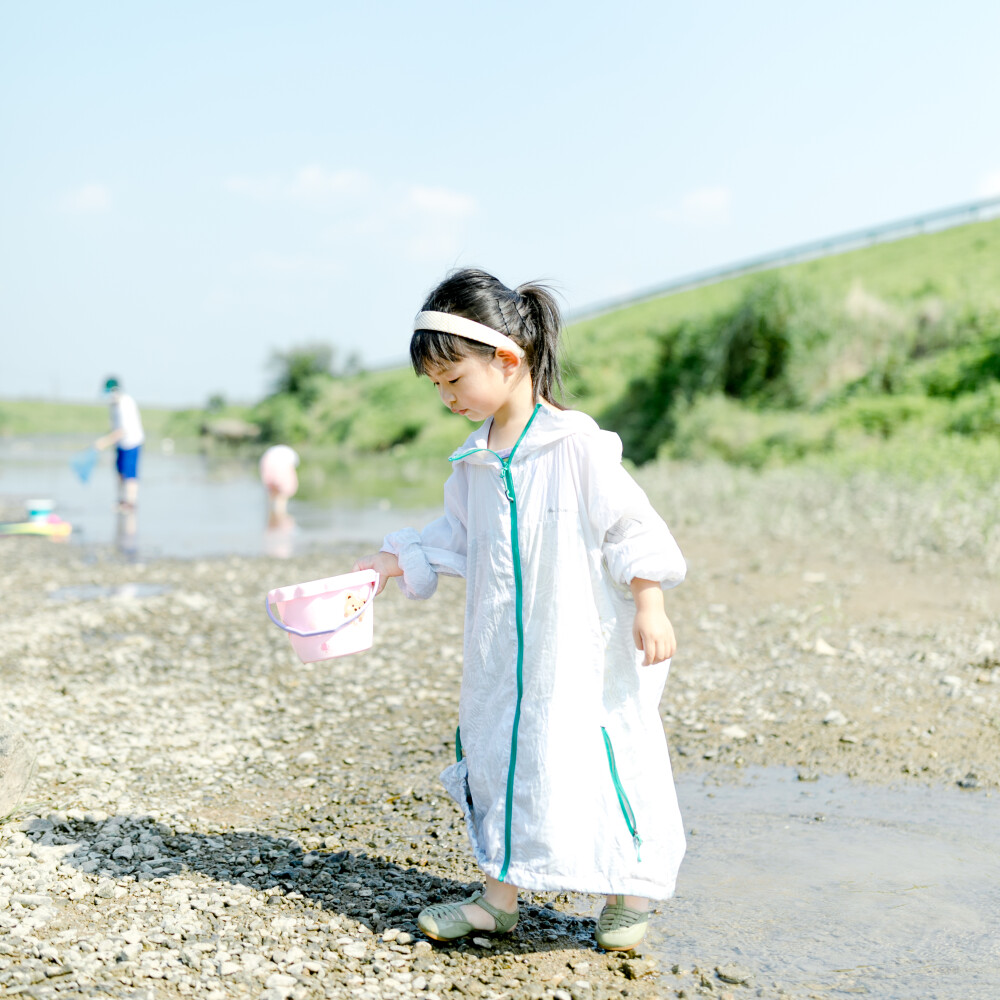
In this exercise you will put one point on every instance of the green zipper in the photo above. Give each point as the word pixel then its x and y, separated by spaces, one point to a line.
pixel 623 801
pixel 508 483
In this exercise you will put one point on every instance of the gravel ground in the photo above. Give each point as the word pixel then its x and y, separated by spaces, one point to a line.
pixel 211 818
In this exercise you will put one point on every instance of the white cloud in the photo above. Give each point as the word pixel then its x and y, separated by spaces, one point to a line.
pixel 433 221
pixel 311 184
pixel 441 202
pixel 316 184
pixel 707 205
pixel 416 221
pixel 88 199
pixel 258 188
pixel 989 185
pixel 300 264
pixel 433 244
pixel 704 206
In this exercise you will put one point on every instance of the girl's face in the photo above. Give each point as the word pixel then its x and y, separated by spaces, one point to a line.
pixel 473 387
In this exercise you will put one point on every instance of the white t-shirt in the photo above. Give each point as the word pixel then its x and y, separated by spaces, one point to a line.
pixel 125 417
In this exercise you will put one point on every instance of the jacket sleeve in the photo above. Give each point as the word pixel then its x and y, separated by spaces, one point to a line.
pixel 440 548
pixel 635 540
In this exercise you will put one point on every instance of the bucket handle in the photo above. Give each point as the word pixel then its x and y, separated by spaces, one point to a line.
pixel 322 631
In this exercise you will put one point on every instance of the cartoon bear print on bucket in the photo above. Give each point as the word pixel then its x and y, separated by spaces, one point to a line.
pixel 326 618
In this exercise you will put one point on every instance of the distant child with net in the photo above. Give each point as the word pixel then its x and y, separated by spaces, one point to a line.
pixel 127 436
pixel 563 772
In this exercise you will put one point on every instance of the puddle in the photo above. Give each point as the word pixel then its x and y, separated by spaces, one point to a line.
pixel 838 888
pixel 120 592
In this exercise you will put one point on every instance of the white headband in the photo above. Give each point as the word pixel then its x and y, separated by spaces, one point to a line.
pixel 466 328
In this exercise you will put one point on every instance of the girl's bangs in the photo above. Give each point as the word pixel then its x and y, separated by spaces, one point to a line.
pixel 433 349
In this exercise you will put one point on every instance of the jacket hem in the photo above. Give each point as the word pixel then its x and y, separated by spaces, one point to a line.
pixel 525 878
pixel 456 782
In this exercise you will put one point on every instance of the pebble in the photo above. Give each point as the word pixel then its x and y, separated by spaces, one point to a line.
pixel 737 975
pixel 205 816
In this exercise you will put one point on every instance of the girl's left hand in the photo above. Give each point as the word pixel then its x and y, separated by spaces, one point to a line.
pixel 651 630
pixel 654 635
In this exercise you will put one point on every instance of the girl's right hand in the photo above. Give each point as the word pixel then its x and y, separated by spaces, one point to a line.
pixel 384 563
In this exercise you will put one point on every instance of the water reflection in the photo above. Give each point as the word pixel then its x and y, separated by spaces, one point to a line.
pixel 279 535
pixel 127 532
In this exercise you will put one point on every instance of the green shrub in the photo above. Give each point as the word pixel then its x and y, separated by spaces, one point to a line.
pixel 978 414
pixel 302 371
pixel 755 342
pixel 282 418
pixel 964 369
pixel 743 353
pixel 945 354
pixel 883 416
pixel 716 427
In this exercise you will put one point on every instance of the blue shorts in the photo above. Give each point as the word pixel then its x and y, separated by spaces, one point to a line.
pixel 127 462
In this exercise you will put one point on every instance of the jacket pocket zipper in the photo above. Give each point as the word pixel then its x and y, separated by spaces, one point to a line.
pixel 623 801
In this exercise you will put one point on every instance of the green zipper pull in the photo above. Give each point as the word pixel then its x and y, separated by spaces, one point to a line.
pixel 508 479
pixel 637 841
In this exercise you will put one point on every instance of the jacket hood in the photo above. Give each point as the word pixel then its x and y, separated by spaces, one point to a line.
pixel 546 427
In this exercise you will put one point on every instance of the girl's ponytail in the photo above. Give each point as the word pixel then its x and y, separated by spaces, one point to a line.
pixel 540 311
pixel 528 314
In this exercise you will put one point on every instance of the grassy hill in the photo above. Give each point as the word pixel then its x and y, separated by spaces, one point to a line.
pixel 887 355
pixel 32 416
pixel 881 354
pixel 948 272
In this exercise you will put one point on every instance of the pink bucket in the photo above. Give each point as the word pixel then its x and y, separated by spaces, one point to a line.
pixel 326 618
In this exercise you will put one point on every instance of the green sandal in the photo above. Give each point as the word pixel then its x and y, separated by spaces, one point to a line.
pixel 620 928
pixel 446 921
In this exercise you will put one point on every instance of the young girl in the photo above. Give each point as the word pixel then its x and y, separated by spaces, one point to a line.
pixel 562 772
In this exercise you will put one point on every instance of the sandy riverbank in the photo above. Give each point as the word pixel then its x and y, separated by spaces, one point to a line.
pixel 249 826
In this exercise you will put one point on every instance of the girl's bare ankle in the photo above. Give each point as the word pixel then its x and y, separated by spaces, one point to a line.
pixel 638 903
pixel 502 895
pixel 501 900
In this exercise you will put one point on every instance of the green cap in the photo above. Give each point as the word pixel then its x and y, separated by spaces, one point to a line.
pixel 111 384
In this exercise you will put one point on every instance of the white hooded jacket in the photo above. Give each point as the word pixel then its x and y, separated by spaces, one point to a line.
pixel 563 771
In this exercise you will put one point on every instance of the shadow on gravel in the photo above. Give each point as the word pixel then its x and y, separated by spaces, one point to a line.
pixel 374 891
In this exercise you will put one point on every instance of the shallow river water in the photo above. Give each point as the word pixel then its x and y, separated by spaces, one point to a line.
pixel 190 505
pixel 839 887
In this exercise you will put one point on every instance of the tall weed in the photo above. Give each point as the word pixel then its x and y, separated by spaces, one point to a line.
pixel 742 353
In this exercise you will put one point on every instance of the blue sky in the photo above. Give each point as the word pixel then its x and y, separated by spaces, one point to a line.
pixel 187 187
